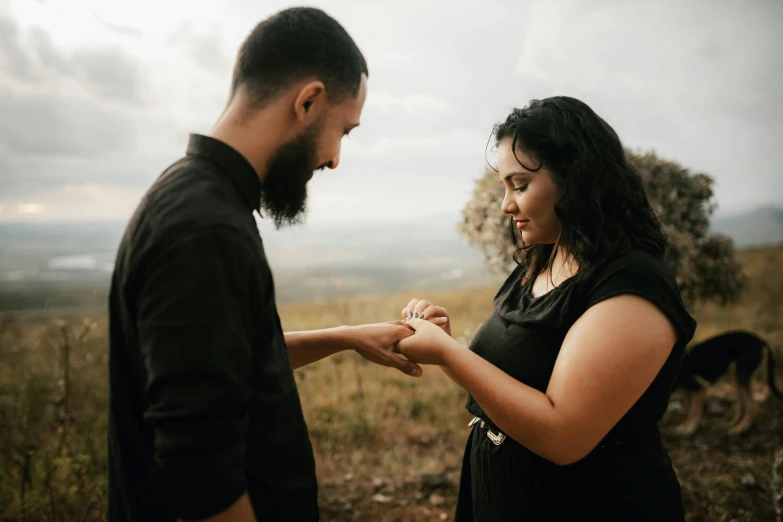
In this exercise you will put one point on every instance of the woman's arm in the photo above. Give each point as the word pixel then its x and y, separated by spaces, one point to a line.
pixel 608 359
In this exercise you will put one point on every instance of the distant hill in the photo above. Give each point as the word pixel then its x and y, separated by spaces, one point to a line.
pixel 759 227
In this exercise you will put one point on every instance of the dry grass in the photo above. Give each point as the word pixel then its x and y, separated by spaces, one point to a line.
pixel 375 431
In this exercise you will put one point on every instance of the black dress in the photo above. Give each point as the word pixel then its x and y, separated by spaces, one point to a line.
pixel 628 476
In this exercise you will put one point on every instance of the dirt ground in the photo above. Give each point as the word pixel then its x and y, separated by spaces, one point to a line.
pixel 724 478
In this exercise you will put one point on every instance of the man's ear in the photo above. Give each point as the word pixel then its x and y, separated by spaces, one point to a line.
pixel 310 101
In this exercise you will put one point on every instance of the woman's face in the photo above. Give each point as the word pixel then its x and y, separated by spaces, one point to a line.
pixel 530 196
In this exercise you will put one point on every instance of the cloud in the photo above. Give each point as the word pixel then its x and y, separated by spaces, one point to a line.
pixel 110 73
pixel 13 58
pixel 694 81
pixel 48 56
pixel 48 125
pixel 204 49
pixel 70 116
pixel 108 100
pixel 454 142
pixel 688 54
pixel 123 30
pixel 105 73
pixel 412 105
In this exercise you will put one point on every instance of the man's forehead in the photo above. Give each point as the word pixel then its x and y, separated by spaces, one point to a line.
pixel 350 109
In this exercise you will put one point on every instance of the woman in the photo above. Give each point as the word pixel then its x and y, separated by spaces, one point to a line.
pixel 570 374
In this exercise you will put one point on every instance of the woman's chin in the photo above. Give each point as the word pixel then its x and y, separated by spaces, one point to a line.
pixel 531 238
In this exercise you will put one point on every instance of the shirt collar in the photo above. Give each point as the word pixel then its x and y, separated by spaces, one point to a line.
pixel 232 163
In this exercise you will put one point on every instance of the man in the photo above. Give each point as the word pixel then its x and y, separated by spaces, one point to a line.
pixel 205 421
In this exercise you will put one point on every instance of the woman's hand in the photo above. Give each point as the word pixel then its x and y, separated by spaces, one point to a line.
pixel 423 309
pixel 428 345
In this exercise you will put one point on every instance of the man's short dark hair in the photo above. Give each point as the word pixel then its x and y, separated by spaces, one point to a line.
pixel 294 44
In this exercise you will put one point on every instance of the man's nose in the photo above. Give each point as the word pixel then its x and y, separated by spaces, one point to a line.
pixel 334 161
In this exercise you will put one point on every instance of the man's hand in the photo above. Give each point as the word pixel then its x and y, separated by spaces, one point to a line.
pixel 375 342
pixel 239 511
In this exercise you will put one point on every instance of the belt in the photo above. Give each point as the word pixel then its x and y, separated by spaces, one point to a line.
pixel 496 438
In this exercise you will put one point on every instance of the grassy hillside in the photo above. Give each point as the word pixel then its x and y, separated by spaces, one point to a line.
pixel 387 446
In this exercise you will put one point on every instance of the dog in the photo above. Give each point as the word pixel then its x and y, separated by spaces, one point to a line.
pixel 708 360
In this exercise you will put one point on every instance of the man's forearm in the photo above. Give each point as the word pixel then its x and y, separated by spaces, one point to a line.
pixel 309 346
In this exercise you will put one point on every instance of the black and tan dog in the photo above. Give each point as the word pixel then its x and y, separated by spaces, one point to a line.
pixel 708 360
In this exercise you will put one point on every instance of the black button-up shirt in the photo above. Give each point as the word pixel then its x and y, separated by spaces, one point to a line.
pixel 203 402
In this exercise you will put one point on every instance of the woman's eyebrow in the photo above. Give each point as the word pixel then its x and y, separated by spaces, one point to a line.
pixel 516 173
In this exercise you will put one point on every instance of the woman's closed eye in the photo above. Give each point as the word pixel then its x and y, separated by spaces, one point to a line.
pixel 521 188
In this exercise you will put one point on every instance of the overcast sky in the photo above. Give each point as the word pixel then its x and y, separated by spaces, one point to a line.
pixel 97 97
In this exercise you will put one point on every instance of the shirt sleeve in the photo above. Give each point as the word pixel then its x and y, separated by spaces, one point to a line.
pixel 647 277
pixel 193 319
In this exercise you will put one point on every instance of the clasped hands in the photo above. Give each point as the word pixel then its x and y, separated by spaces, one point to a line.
pixel 423 336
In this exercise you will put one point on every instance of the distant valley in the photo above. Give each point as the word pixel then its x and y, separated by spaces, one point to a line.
pixel 68 264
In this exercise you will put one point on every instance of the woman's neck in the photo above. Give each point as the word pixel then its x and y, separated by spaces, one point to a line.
pixel 564 266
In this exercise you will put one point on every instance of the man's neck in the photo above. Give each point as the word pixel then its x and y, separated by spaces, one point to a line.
pixel 256 137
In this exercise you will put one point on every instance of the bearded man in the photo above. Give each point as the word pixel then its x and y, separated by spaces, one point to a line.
pixel 205 421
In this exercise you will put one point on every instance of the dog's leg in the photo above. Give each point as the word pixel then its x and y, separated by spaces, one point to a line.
pixel 739 403
pixel 739 409
pixel 750 407
pixel 696 406
pixel 748 360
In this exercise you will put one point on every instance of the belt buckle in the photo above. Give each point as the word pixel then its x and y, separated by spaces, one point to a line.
pixel 496 439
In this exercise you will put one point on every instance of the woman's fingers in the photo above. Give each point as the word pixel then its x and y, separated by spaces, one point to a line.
pixel 415 308
pixel 420 307
pixel 408 310
pixel 423 309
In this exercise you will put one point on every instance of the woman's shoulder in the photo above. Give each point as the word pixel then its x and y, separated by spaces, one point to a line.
pixel 632 271
pixel 634 263
pixel 643 274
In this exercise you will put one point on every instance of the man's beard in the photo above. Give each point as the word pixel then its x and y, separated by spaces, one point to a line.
pixel 284 191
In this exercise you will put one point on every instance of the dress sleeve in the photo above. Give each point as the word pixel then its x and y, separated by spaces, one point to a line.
pixel 643 275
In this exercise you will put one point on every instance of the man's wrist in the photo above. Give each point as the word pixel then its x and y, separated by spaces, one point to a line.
pixel 343 337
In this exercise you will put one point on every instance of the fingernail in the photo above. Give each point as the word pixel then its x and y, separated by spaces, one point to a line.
pixel 410 314
pixel 415 371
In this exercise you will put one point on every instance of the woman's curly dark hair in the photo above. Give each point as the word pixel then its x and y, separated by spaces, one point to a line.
pixel 602 208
